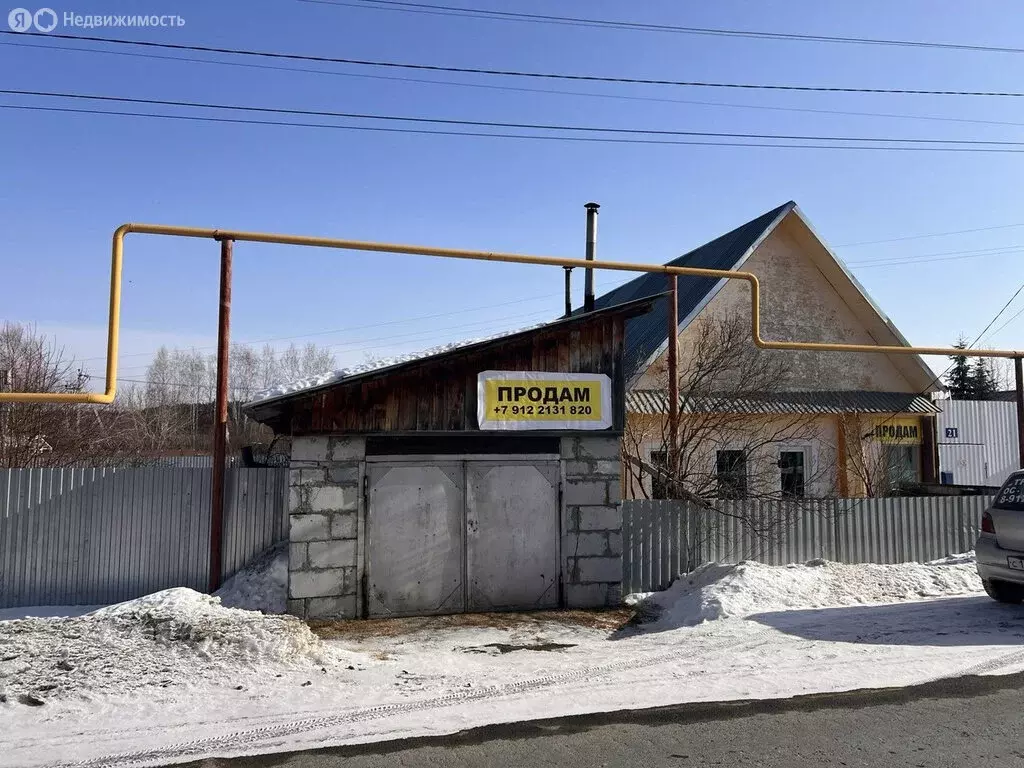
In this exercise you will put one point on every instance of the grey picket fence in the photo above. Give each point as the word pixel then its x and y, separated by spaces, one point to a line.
pixel 663 539
pixel 103 535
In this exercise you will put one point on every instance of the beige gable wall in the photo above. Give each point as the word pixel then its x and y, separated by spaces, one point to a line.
pixel 799 304
pixel 819 437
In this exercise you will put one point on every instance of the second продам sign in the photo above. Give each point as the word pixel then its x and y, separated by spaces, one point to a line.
pixel 539 400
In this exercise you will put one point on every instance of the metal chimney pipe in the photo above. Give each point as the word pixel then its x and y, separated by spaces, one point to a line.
pixel 568 291
pixel 588 285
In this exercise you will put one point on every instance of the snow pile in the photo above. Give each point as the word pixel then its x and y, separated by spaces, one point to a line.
pixel 312 382
pixel 168 638
pixel 716 591
pixel 46 611
pixel 963 557
pixel 261 586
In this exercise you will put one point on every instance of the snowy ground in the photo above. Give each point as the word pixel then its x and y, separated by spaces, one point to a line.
pixel 242 683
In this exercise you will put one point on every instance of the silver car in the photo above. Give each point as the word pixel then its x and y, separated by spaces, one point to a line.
pixel 1000 547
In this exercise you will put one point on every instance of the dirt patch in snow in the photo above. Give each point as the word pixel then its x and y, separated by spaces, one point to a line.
pixel 716 591
pixel 364 629
pixel 164 639
pixel 503 648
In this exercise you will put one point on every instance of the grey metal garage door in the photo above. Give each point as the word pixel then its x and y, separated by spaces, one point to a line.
pixel 415 539
pixel 512 535
pixel 450 536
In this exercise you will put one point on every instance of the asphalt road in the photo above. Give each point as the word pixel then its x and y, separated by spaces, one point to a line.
pixel 974 721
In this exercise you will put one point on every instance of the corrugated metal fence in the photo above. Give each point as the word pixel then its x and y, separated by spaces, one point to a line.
pixel 90 536
pixel 977 441
pixel 662 539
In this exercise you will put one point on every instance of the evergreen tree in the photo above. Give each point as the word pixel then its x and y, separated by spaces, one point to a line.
pixel 960 378
pixel 983 380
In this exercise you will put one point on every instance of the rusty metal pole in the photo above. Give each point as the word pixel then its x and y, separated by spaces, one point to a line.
pixel 6 385
pixel 220 421
pixel 1019 381
pixel 673 378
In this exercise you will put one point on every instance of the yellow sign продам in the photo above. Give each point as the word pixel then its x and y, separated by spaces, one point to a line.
pixel 902 430
pixel 520 400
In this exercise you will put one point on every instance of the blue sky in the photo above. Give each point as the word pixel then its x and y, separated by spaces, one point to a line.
pixel 68 180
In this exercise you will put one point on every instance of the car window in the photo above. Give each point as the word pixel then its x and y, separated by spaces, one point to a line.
pixel 1011 495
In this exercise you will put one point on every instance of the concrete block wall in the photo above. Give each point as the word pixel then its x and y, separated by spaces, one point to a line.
pixel 592 525
pixel 324 506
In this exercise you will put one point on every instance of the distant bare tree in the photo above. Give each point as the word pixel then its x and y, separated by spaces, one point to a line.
pixel 311 360
pixel 178 398
pixel 46 434
pixel 172 412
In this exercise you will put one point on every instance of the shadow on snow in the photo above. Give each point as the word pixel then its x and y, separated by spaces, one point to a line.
pixel 965 621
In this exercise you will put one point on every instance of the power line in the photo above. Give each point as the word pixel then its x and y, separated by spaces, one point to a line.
pixel 969 346
pixel 931 234
pixel 422 336
pixel 477 134
pixel 890 143
pixel 524 136
pixel 1000 328
pixel 360 344
pixel 369 344
pixel 941 253
pixel 517 73
pixel 348 328
pixel 480 13
pixel 929 256
pixel 924 392
pixel 1000 312
pixel 869 265
pixel 517 89
pixel 417 336
pixel 374 325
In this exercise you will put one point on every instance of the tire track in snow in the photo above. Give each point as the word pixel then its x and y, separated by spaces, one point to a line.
pixel 1005 660
pixel 246 737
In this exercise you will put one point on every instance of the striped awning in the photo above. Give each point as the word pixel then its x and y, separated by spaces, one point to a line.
pixel 656 401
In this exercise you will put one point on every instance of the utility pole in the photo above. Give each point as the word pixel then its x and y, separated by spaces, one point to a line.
pixel 220 420
pixel 1019 381
pixel 673 379
pixel 6 385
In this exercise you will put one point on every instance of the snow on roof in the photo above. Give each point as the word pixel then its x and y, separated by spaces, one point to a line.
pixel 376 364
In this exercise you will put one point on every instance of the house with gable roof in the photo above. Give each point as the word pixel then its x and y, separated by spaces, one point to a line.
pixel 797 423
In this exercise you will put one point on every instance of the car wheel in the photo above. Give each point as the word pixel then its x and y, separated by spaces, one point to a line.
pixel 1004 592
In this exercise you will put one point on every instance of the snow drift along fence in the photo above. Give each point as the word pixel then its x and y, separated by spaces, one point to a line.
pixel 662 539
pixel 91 536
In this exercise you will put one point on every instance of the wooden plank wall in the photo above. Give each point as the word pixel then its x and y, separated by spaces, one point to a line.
pixel 441 396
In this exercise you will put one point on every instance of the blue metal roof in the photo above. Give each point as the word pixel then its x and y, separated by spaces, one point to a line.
pixel 645 334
